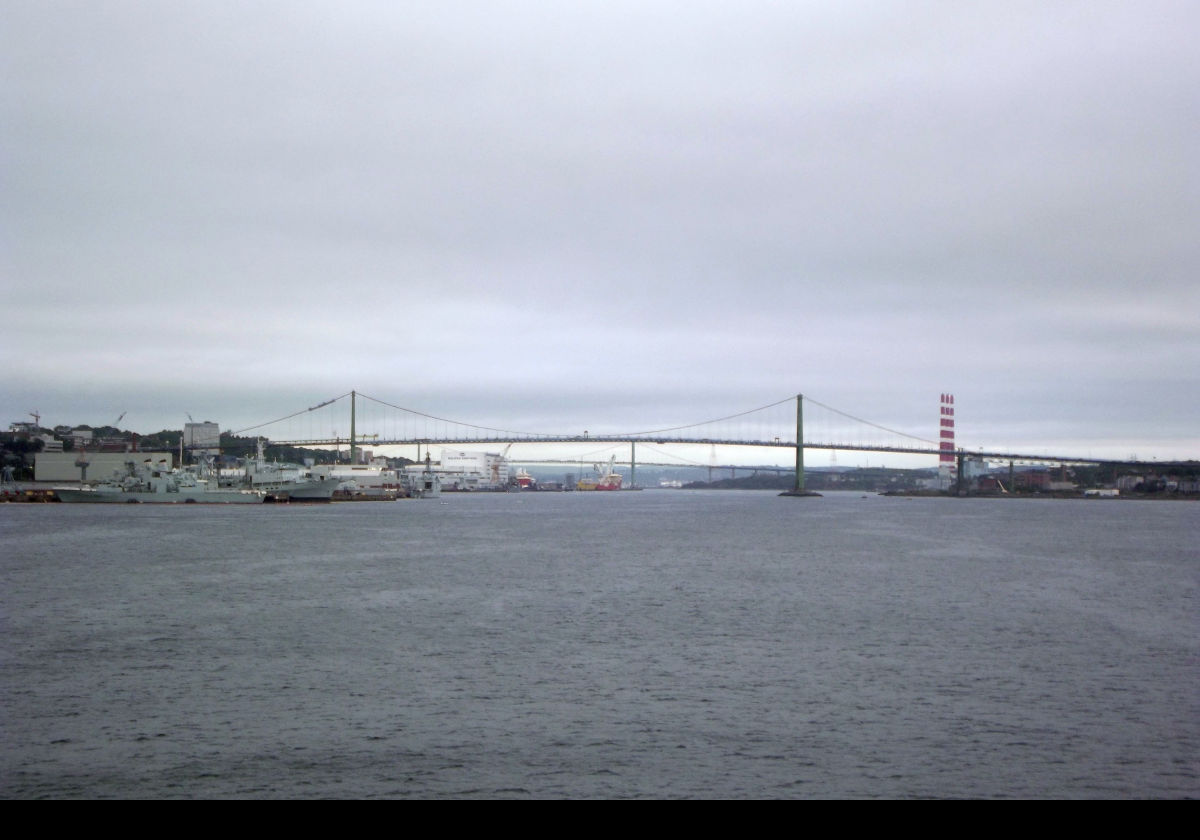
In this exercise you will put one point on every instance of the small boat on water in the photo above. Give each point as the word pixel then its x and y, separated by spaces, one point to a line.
pixel 157 483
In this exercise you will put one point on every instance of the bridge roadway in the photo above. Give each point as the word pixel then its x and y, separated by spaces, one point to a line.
pixel 780 444
pixel 735 469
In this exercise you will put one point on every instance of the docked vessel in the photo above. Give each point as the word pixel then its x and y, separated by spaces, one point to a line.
pixel 152 483
pixel 284 482
pixel 606 477
pixel 524 480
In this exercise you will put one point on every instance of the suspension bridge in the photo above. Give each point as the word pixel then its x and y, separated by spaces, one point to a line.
pixel 795 422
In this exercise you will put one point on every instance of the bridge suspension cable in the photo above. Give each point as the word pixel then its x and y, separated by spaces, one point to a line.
pixel 762 431
pixel 869 423
pixel 457 422
pixel 293 414
pixel 760 426
pixel 706 422
pixel 682 461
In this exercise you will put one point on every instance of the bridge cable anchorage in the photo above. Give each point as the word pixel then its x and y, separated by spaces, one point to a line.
pixel 290 416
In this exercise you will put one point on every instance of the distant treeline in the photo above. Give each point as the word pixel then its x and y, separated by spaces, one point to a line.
pixel 14 448
pixel 872 478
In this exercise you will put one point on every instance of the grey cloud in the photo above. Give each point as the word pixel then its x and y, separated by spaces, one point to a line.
pixel 595 207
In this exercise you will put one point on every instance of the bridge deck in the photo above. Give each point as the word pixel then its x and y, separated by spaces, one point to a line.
pixel 778 444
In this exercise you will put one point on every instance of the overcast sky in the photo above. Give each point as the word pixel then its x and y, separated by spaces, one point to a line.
pixel 566 215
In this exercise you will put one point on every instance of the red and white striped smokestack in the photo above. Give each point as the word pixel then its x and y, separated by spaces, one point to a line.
pixel 946 432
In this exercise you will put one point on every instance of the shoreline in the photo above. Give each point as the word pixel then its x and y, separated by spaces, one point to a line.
pixel 1133 497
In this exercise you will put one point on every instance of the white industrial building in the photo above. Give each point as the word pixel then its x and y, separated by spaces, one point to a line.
pixel 948 473
pixel 63 467
pixel 462 470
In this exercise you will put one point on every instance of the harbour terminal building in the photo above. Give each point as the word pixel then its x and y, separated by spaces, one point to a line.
pixel 459 470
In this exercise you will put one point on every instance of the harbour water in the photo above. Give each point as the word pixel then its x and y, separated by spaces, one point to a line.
pixel 653 644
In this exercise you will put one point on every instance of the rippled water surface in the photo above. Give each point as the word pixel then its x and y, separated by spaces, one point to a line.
pixel 654 644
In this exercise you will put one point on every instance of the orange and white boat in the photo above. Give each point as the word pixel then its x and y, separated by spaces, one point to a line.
pixel 606 478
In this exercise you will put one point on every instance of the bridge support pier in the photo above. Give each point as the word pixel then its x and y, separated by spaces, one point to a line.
pixel 798 488
pixel 632 464
pixel 353 436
